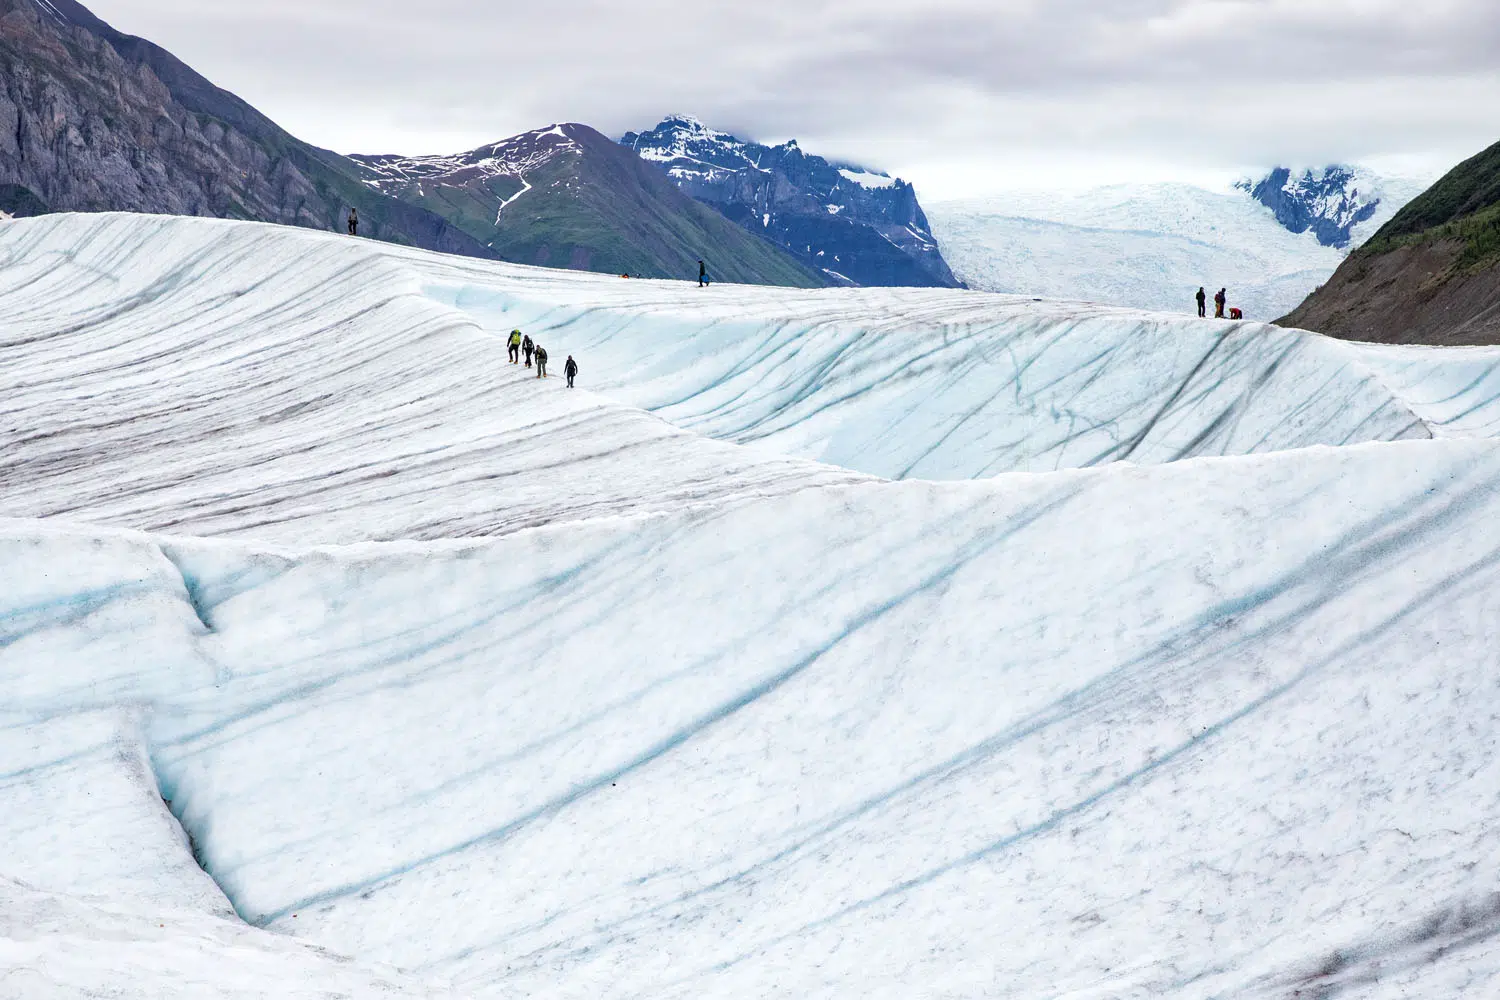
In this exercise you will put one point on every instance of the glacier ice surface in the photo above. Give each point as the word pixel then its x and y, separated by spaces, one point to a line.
pixel 1171 672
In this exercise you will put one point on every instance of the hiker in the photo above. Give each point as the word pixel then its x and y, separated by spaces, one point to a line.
pixel 702 274
pixel 1236 313
pixel 515 347
pixel 353 222
pixel 571 370
pixel 541 361
pixel 1219 301
pixel 527 347
pixel 1202 303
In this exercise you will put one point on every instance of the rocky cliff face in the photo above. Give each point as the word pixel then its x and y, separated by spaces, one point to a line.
pixel 1328 202
pixel 856 226
pixel 93 120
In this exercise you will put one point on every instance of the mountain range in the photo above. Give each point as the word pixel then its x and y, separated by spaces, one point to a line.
pixel 93 119
pixel 855 225
pixel 566 196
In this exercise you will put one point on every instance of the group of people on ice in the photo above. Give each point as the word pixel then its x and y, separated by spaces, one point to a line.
pixel 1221 299
pixel 524 346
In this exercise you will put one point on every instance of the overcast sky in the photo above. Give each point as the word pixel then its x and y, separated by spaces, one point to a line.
pixel 961 96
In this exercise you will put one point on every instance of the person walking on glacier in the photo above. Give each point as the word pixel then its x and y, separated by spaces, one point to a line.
pixel 541 361
pixel 702 274
pixel 353 222
pixel 515 347
pixel 570 369
pixel 1202 303
pixel 1219 302
pixel 527 347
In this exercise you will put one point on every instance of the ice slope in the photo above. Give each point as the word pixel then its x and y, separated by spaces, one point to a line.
pixel 695 720
pixel 1145 246
pixel 1220 728
pixel 362 392
pixel 949 385
pixel 99 893
pixel 216 378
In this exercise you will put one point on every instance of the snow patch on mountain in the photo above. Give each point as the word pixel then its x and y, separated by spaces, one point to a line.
pixel 868 179
pixel 512 158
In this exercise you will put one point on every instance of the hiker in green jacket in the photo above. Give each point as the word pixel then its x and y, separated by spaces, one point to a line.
pixel 515 347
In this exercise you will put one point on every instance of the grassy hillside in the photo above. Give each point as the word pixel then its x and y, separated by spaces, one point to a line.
pixel 1463 206
pixel 1430 276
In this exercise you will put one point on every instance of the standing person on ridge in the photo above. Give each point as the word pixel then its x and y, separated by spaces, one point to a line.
pixel 353 222
pixel 702 274
pixel 541 361
pixel 515 347
pixel 571 370
pixel 1219 301
pixel 1202 303
pixel 528 347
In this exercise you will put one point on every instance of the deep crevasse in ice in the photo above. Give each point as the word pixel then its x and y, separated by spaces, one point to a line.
pixel 729 724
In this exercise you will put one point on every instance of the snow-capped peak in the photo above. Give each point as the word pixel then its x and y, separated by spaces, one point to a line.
pixel 1330 201
pixel 513 157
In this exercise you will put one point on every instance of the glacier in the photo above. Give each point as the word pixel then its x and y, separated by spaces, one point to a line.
pixel 839 642
pixel 1152 245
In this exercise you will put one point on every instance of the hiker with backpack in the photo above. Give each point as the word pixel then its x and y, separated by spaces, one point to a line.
pixel 541 361
pixel 353 222
pixel 528 348
pixel 1220 300
pixel 571 370
pixel 702 274
pixel 515 347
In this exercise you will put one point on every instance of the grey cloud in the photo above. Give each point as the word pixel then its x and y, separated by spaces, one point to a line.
pixel 887 82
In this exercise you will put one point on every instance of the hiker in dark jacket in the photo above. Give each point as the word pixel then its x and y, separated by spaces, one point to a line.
pixel 1219 301
pixel 515 347
pixel 541 361
pixel 702 274
pixel 528 348
pixel 1202 303
pixel 353 222
pixel 571 370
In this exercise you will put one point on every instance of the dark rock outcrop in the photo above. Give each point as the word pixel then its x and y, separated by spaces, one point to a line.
pixel 1328 202
pixel 95 120
pixel 857 226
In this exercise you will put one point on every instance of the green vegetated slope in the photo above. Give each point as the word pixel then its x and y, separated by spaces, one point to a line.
pixel 567 196
pixel 1430 276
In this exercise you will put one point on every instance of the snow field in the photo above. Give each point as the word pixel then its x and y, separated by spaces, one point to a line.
pixel 770 750
pixel 538 693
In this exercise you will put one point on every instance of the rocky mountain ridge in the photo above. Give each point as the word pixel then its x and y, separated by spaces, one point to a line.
pixel 854 225
pixel 1330 202
pixel 92 119
pixel 566 196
